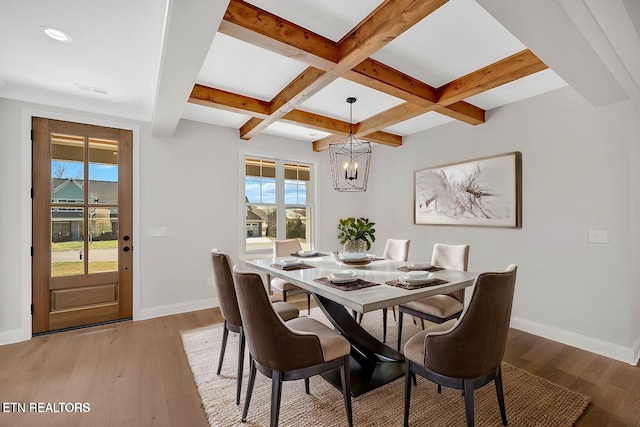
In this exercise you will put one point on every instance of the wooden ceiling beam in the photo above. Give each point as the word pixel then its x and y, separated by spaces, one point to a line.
pixel 379 76
pixel 379 137
pixel 511 68
pixel 450 95
pixel 388 22
pixel 317 122
pixel 253 25
pixel 307 84
pixel 210 97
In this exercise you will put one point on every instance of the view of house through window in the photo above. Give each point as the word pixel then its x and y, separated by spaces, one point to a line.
pixel 278 202
pixel 71 169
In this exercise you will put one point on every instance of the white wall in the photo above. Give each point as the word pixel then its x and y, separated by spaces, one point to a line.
pixel 577 175
pixel 189 183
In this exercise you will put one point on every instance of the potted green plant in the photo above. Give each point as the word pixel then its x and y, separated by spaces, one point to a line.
pixel 356 234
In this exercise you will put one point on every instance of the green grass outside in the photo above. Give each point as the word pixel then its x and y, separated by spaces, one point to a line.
pixel 76 246
pixel 73 268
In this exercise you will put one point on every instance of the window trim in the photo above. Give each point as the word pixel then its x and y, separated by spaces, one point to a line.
pixel 312 198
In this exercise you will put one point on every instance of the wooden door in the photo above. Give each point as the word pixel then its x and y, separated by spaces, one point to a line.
pixel 82 224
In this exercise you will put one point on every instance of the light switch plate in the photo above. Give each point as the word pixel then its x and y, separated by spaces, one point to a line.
pixel 598 236
pixel 157 231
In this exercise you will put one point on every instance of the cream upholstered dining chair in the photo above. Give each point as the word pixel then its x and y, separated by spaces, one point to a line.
pixel 223 277
pixel 466 354
pixel 295 350
pixel 439 308
pixel 281 286
pixel 398 250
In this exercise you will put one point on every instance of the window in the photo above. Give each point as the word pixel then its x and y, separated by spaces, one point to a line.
pixel 278 203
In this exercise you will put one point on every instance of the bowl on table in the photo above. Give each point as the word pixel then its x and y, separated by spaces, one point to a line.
pixel 416 277
pixel 289 262
pixel 419 265
pixel 354 259
pixel 343 276
pixel 306 253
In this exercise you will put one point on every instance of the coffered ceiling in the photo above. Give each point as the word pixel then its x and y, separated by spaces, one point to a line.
pixel 286 67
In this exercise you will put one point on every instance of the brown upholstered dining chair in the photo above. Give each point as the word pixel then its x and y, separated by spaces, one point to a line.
pixel 281 286
pixel 466 354
pixel 223 277
pixel 439 308
pixel 299 348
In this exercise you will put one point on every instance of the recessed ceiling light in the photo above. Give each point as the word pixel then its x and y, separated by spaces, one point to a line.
pixel 57 34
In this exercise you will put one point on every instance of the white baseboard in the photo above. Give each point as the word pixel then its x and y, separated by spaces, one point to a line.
pixel 636 351
pixel 12 337
pixel 183 307
pixel 603 348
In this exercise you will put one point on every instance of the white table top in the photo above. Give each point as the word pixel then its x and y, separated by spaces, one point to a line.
pixel 366 299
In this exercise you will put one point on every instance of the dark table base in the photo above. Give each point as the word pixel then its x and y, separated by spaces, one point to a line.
pixel 372 364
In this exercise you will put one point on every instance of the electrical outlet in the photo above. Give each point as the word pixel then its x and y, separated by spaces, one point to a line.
pixel 598 236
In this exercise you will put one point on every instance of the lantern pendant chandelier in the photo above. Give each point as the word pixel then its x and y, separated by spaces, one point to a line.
pixel 350 160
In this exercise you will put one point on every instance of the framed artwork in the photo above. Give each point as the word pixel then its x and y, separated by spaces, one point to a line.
pixel 478 192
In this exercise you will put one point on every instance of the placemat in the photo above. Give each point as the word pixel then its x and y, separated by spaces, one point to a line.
pixel 350 286
pixel 407 269
pixel 317 254
pixel 398 284
pixel 292 267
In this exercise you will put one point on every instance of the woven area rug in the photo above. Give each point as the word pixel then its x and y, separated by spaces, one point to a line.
pixel 529 400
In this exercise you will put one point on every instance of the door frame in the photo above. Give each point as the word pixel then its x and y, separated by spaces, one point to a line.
pixel 25 205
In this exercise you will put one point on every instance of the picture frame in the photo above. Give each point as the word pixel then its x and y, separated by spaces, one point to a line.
pixel 484 192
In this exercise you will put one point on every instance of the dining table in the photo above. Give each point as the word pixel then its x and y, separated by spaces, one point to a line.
pixel 372 363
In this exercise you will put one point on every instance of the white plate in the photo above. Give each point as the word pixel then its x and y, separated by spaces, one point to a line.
pixel 418 274
pixel 343 277
pixel 352 256
pixel 289 262
pixel 307 253
pixel 419 265
pixel 408 280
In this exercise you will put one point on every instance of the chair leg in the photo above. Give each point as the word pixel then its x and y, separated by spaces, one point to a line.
pixel 422 323
pixel 225 335
pixel 346 388
pixel 393 309
pixel 500 393
pixel 309 304
pixel 306 385
pixel 276 395
pixel 241 345
pixel 407 390
pixel 400 314
pixel 468 402
pixel 252 380
pixel 384 325
pixel 284 296
pixel 440 389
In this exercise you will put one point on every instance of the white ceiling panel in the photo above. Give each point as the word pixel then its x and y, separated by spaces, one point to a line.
pixel 535 84
pixel 331 101
pixel 420 123
pixel 295 132
pixel 245 69
pixel 329 18
pixel 456 39
pixel 214 116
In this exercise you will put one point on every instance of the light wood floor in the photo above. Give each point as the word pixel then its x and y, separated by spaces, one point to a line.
pixel 136 374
